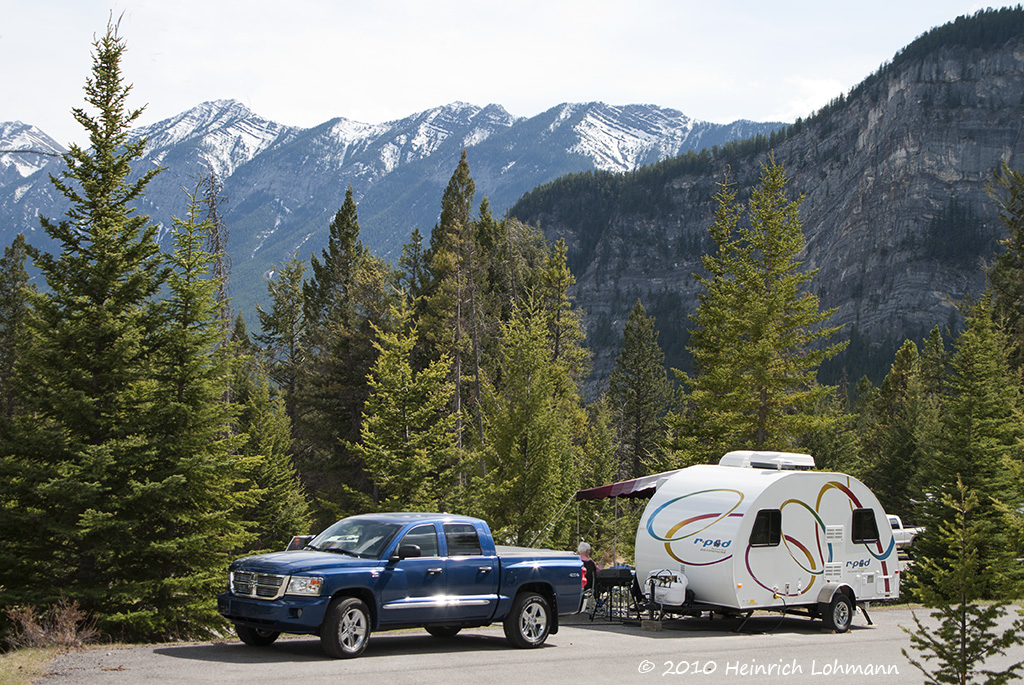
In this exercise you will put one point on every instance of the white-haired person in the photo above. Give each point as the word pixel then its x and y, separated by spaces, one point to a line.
pixel 589 564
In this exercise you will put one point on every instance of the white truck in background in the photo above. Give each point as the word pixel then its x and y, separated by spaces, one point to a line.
pixel 903 536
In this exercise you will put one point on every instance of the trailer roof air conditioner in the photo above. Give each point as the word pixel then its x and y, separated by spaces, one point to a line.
pixel 782 461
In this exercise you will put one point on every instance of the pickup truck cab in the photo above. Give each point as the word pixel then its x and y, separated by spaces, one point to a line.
pixel 903 536
pixel 386 571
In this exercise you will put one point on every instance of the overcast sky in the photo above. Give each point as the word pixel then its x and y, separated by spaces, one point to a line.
pixel 304 62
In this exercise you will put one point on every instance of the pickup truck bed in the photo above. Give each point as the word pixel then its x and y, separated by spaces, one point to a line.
pixel 388 571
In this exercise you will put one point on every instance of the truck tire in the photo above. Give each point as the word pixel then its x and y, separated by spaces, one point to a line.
pixel 256 637
pixel 443 631
pixel 529 622
pixel 840 613
pixel 346 628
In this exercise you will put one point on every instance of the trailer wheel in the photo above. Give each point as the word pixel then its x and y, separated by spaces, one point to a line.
pixel 256 637
pixel 840 613
pixel 346 628
pixel 529 622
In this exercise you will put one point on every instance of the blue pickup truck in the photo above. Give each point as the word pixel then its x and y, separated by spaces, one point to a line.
pixel 387 571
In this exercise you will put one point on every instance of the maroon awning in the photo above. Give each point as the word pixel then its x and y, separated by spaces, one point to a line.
pixel 636 488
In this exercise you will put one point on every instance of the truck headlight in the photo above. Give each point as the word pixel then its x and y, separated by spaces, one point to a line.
pixel 308 586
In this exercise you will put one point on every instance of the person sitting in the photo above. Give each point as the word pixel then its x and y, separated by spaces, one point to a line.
pixel 589 564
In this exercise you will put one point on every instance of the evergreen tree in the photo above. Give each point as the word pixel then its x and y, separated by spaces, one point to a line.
pixel 14 309
pixel 283 335
pixel 565 324
pixel 85 453
pixel 413 267
pixel 520 258
pixel 975 442
pixel 965 638
pixel 240 337
pixel 452 314
pixel 530 458
pixel 597 465
pixel 346 303
pixel 639 392
pixel 185 499
pixel 217 244
pixel 276 507
pixel 892 449
pixel 407 437
pixel 759 336
pixel 834 440
pixel 1007 272
pixel 331 292
pixel 934 363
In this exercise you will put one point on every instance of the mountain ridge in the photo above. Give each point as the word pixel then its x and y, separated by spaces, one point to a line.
pixel 283 184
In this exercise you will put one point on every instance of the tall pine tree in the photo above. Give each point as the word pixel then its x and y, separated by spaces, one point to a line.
pixel 14 310
pixel 284 330
pixel 275 506
pixel 976 443
pixel 87 451
pixel 759 336
pixel 639 393
pixel 346 303
pixel 407 439
pixel 892 449
pixel 187 501
pixel 530 467
pixel 1007 272
pixel 452 305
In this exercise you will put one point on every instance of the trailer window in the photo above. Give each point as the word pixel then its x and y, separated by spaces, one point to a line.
pixel 864 527
pixel 767 531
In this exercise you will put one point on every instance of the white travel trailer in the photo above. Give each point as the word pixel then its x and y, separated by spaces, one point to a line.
pixel 762 531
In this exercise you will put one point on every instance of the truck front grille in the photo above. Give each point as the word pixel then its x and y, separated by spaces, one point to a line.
pixel 258 585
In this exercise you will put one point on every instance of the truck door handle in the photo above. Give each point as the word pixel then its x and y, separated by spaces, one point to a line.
pixel 433 571
pixel 484 569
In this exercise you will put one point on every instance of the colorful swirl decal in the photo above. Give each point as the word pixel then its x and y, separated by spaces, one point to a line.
pixel 711 518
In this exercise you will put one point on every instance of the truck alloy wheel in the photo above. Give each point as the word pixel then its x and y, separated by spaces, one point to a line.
pixel 840 613
pixel 529 622
pixel 346 628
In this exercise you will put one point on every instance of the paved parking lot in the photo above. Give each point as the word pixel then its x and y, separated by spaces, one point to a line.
pixel 772 650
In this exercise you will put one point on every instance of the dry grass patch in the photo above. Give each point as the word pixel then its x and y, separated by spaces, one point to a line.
pixel 23 666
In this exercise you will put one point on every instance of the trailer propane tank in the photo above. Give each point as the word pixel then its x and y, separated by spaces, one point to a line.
pixel 667 587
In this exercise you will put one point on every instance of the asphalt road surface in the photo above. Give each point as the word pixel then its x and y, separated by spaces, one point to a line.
pixel 770 650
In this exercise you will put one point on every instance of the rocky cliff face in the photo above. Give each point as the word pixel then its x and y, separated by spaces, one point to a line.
pixel 895 211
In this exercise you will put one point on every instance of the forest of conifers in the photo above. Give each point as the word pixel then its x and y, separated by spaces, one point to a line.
pixel 148 436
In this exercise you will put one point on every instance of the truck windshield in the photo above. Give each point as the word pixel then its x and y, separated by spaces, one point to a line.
pixel 356 536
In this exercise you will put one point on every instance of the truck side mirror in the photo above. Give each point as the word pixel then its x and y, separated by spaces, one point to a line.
pixel 404 552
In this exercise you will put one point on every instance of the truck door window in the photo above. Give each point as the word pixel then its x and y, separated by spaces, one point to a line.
pixel 462 540
pixel 767 530
pixel 864 527
pixel 425 537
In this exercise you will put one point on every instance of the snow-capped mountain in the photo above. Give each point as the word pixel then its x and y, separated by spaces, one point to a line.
pixel 37 150
pixel 222 134
pixel 283 184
